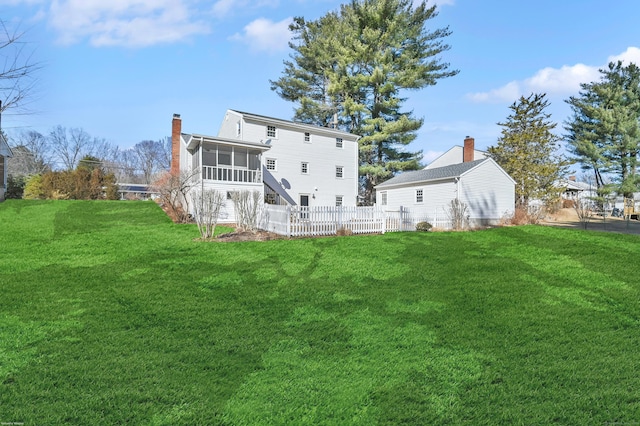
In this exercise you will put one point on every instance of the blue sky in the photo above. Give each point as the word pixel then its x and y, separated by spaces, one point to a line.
pixel 119 69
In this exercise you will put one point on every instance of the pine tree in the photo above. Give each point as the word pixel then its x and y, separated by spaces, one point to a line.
pixel 604 132
pixel 350 70
pixel 528 150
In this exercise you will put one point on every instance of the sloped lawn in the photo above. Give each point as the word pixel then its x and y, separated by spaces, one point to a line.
pixel 110 314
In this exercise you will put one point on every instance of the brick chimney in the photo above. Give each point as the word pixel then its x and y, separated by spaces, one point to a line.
pixel 468 151
pixel 176 129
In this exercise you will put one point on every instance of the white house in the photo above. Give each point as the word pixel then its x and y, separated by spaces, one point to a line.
pixel 287 162
pixel 574 190
pixel 5 153
pixel 479 182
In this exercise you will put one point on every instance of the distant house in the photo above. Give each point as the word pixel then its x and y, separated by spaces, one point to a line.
pixel 463 174
pixel 5 153
pixel 287 162
pixel 574 190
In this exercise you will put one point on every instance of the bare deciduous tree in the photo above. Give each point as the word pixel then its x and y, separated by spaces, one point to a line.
pixel 173 192
pixel 457 212
pixel 247 206
pixel 207 204
pixel 151 158
pixel 584 212
pixel 70 145
pixel 31 154
pixel 17 70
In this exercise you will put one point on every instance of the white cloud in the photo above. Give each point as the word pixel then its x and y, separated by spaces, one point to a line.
pixel 223 7
pixel 508 92
pixel 553 81
pixel 131 23
pixel 631 55
pixel 266 35
pixel 564 80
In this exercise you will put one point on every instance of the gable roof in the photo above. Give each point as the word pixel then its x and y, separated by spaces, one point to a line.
pixel 296 124
pixel 5 150
pixel 429 175
pixel 456 153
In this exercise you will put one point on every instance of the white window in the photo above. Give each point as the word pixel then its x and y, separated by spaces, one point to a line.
pixel 339 172
pixel 271 131
pixel 338 142
pixel 419 196
pixel 304 168
pixel 307 137
pixel 271 164
pixel 338 200
pixel 383 198
pixel 238 128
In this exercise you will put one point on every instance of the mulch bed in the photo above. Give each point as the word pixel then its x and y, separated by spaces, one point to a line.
pixel 238 236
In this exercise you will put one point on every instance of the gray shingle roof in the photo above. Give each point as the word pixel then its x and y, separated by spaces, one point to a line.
pixel 294 123
pixel 426 175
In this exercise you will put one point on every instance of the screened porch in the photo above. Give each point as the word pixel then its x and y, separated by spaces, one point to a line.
pixel 228 163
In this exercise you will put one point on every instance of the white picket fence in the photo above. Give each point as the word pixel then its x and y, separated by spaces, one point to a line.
pixel 316 221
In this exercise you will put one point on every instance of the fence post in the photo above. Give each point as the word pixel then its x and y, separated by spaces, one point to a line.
pixel 401 219
pixel 288 210
pixel 384 221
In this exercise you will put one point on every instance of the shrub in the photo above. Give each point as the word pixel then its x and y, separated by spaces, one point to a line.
pixel 33 188
pixel 458 214
pixel 423 226
pixel 15 186
pixel 344 231
pixel 527 216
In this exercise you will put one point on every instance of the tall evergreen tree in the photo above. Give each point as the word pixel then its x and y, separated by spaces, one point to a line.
pixel 528 150
pixel 604 131
pixel 350 70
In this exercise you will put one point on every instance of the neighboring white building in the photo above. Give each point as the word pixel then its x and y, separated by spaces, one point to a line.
pixel 486 189
pixel 287 162
pixel 5 153
pixel 574 190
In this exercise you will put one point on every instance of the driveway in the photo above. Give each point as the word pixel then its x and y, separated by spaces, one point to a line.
pixel 567 218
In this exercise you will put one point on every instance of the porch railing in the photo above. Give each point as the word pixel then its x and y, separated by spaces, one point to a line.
pixel 231 174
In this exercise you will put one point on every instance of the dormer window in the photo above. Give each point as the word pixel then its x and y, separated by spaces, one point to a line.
pixel 271 131
pixel 338 142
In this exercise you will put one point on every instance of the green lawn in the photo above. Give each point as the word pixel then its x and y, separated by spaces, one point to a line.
pixel 111 314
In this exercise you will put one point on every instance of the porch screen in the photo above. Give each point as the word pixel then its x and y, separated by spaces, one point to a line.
pixel 240 157
pixel 209 157
pixel 224 155
pixel 254 161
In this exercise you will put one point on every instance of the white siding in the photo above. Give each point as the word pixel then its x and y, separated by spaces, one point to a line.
pixel 229 127
pixel 436 197
pixel 488 192
pixel 322 156
pixel 227 213
pixel 289 149
pixel 486 189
